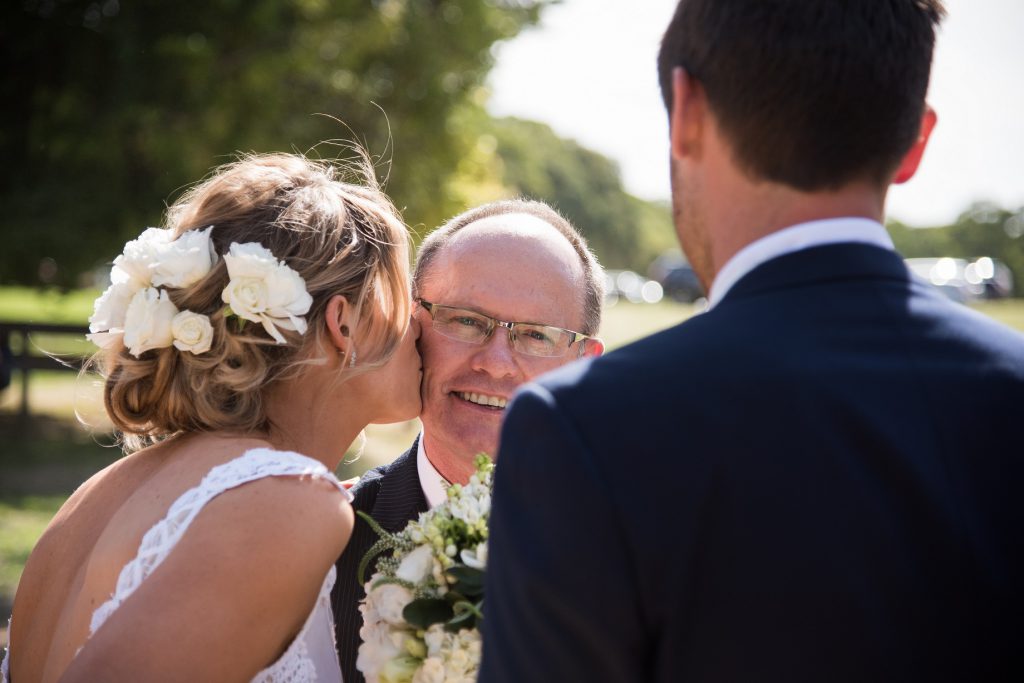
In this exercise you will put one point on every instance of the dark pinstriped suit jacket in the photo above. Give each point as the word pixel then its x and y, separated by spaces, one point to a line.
pixel 393 496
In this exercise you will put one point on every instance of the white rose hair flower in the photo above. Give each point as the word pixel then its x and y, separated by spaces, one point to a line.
pixel 147 322
pixel 185 261
pixel 136 311
pixel 265 290
pixel 192 332
pixel 137 259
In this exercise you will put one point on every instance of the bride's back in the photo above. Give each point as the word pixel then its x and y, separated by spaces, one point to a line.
pixel 75 566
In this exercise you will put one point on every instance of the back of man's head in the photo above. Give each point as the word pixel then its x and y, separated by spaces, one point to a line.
pixel 809 93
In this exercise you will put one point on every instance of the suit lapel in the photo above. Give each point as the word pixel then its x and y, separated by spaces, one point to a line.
pixel 400 498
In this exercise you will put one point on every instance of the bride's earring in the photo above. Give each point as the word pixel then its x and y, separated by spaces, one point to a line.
pixel 352 357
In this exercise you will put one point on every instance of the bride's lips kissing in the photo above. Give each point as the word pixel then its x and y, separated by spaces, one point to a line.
pixel 487 401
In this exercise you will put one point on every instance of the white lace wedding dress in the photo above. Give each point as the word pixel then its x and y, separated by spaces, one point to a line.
pixel 312 655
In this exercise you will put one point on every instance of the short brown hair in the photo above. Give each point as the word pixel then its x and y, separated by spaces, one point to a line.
pixel 341 237
pixel 810 93
pixel 593 275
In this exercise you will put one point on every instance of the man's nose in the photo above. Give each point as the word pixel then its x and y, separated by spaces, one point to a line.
pixel 496 356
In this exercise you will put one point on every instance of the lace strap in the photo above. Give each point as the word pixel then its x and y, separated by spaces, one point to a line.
pixel 158 542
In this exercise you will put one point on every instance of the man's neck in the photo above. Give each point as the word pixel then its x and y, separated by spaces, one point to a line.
pixel 757 210
pixel 454 468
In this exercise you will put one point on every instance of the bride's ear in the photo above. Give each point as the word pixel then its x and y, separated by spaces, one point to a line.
pixel 339 322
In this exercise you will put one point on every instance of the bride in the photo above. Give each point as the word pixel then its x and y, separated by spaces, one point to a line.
pixel 244 347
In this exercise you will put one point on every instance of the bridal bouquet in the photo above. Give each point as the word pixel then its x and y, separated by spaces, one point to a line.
pixel 424 604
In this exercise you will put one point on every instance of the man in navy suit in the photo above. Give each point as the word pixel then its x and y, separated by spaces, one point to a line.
pixel 819 478
pixel 513 264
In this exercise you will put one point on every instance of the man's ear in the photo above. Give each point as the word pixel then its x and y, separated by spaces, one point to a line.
pixel 592 347
pixel 912 159
pixel 339 322
pixel 687 117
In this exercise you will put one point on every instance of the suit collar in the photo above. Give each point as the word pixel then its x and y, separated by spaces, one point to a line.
pixel 792 239
pixel 828 263
pixel 400 498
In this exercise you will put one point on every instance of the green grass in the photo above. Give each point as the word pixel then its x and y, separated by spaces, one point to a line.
pixel 23 304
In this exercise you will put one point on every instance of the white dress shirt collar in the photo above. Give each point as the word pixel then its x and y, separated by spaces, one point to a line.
pixel 795 238
pixel 434 485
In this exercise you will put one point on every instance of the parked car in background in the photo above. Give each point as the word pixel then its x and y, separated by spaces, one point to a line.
pixel 635 288
pixel 681 284
pixel 677 278
pixel 963 280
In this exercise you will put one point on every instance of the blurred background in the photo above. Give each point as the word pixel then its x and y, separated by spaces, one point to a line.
pixel 112 107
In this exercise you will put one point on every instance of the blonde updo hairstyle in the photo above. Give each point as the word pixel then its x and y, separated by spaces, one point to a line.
pixel 341 237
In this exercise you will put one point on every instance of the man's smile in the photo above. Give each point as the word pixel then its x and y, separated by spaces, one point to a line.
pixel 483 399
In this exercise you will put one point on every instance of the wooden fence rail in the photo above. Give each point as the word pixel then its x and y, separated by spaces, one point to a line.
pixel 20 356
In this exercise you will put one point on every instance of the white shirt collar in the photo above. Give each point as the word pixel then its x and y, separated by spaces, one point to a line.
pixel 796 238
pixel 434 485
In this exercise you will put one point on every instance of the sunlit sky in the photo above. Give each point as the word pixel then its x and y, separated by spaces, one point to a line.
pixel 588 71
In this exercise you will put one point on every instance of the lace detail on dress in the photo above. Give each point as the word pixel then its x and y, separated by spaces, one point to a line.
pixel 295 664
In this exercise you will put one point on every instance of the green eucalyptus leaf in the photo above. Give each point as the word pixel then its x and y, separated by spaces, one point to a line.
pixel 465 620
pixel 426 612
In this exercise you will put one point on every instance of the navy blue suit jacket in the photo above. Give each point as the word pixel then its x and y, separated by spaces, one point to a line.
pixel 820 479
pixel 392 495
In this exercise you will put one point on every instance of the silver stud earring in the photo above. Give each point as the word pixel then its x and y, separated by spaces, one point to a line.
pixel 352 359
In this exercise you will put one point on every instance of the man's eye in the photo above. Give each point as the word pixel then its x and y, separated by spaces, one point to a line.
pixel 536 335
pixel 467 321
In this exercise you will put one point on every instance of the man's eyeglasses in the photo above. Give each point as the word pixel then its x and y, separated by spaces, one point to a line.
pixel 532 339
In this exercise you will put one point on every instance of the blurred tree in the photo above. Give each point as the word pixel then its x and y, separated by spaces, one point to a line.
pixel 113 106
pixel 624 231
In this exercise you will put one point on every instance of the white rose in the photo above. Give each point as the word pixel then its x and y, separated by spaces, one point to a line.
pixel 192 332
pixel 390 599
pixel 289 299
pixel 417 565
pixel 147 323
pixel 430 671
pixel 109 309
pixel 264 290
pixel 374 652
pixel 139 255
pixel 185 261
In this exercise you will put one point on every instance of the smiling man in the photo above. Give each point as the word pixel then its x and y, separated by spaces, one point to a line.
pixel 504 292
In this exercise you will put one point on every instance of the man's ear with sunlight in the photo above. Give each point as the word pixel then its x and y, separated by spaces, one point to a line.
pixel 912 159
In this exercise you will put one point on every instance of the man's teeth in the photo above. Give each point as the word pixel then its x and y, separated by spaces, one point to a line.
pixel 481 399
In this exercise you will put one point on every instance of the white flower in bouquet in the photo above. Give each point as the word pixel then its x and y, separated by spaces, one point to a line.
pixel 438 560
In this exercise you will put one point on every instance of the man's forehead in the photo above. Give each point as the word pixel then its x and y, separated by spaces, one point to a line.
pixel 513 234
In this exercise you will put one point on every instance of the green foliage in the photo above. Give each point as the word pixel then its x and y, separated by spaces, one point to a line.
pixel 111 108
pixel 983 230
pixel 624 231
